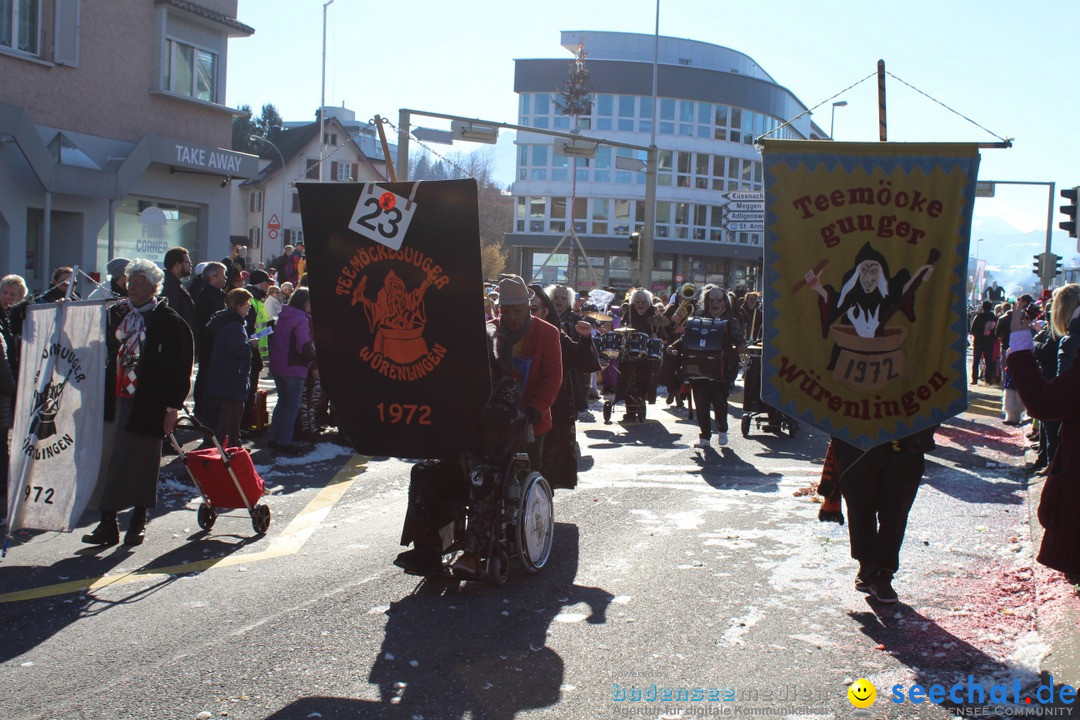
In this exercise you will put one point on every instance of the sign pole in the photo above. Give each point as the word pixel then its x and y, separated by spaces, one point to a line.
pixel 882 124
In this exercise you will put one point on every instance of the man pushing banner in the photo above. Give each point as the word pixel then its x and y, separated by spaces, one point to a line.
pixel 56 442
pixel 873 237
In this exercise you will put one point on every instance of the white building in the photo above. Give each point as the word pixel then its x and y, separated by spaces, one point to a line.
pixel 712 103
pixel 266 210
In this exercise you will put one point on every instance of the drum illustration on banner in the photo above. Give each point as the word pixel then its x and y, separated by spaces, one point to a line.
pixel 399 332
pixel 875 238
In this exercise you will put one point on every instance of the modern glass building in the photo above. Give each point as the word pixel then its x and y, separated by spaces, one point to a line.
pixel 711 103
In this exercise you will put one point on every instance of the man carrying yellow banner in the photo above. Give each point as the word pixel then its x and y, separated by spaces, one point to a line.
pixel 869 228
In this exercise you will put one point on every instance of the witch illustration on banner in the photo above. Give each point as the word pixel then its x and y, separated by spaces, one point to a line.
pixel 867 353
pixel 397 317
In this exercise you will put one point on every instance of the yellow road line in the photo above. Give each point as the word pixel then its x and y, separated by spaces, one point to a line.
pixel 291 539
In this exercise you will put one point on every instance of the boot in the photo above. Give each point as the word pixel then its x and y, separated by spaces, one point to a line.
pixel 106 533
pixel 136 531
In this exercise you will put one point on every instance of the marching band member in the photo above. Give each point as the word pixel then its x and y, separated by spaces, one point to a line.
pixel 639 313
pixel 711 391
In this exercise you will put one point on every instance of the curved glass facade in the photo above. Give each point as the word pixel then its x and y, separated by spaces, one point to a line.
pixel 706 122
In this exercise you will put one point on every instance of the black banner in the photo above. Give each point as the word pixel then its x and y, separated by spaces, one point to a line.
pixel 400 334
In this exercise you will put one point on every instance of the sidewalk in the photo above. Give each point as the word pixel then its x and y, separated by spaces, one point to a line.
pixel 1057 604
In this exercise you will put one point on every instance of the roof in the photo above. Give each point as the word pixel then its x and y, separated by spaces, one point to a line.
pixel 292 143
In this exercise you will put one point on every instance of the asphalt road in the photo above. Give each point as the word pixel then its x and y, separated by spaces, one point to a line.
pixel 673 569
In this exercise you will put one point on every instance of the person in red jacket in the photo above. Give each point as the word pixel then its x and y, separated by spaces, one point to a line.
pixel 529 350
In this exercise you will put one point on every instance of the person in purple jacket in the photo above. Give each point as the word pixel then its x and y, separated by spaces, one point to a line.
pixel 292 351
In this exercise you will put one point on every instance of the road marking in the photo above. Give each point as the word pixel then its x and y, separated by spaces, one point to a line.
pixel 291 539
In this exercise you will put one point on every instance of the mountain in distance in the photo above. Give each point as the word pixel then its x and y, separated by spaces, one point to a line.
pixel 1009 252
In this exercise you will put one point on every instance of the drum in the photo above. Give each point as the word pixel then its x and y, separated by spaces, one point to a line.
pixel 637 345
pixel 611 345
pixel 705 334
pixel 703 346
pixel 655 349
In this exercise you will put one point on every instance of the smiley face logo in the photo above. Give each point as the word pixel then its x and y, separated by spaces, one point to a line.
pixel 862 693
pixel 387 201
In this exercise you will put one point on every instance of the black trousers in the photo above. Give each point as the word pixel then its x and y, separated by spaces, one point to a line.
pixel 710 395
pixel 985 354
pixel 879 488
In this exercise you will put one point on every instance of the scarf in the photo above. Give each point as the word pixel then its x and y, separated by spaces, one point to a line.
pixel 132 334
pixel 505 340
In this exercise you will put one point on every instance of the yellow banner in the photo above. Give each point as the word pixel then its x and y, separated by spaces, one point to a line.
pixel 866 249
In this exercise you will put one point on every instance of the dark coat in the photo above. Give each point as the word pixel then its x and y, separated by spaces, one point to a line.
pixel 164 368
pixel 1068 346
pixel 982 336
pixel 180 301
pixel 230 360
pixel 210 301
pixel 1057 399
pixel 7 389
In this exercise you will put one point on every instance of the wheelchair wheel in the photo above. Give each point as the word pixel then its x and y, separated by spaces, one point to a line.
pixel 746 425
pixel 536 523
pixel 607 411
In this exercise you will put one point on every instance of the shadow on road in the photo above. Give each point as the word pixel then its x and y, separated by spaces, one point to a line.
pixel 454 650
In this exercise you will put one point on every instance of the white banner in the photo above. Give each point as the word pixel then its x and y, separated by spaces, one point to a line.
pixel 56 441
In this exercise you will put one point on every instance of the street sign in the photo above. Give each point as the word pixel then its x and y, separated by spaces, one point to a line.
pixel 273 223
pixel 984 188
pixel 679 278
pixel 745 227
pixel 732 195
pixel 629 163
pixel 444 137
pixel 758 207
pixel 744 217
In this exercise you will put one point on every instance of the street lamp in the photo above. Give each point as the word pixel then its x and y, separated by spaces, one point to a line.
pixel 322 102
pixel 832 119
pixel 260 138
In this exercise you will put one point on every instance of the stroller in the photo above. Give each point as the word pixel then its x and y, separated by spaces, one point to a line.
pixel 226 479
pixel 753 408
pixel 492 503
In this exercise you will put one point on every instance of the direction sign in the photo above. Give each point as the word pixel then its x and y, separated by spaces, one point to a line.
pixel 744 216
pixel 434 136
pixel 732 195
pixel 745 227
pixel 984 188
pixel 758 207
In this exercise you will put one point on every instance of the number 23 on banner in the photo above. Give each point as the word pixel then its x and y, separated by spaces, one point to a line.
pixel 383 216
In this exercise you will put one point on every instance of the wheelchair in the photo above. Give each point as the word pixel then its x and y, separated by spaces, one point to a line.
pixel 492 503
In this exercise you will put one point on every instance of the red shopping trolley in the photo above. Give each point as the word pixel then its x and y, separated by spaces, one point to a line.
pixel 226 479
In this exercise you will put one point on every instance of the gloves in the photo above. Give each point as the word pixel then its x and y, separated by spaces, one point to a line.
pixel 532 415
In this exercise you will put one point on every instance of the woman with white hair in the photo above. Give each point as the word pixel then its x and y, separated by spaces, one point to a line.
pixel 148 376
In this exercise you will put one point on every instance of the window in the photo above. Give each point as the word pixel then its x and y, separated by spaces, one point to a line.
pixel 330 139
pixel 296 202
pixel 558 214
pixel 191 60
pixel 293 236
pixel 343 172
pixel 537 213
pixel 20 25
pixel 256 201
pixel 312 169
pixel 254 236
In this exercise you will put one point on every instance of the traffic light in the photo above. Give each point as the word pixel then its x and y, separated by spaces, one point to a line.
pixel 1038 266
pixel 635 245
pixel 1069 211
pixel 1056 267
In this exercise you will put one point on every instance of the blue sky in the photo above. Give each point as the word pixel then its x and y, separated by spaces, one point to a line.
pixel 1008 66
